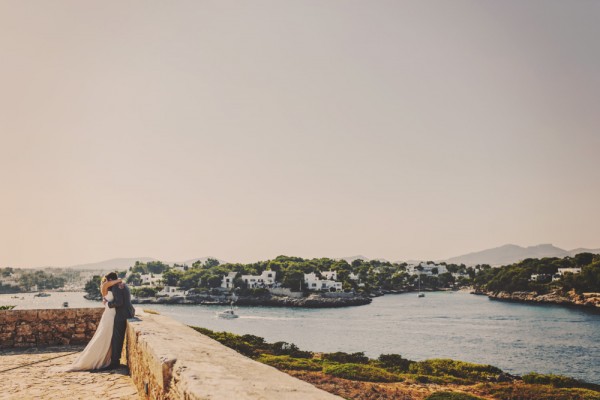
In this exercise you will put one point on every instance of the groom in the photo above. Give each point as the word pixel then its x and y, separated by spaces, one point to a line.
pixel 123 310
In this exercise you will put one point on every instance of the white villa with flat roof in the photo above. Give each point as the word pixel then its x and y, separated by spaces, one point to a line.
pixel 264 280
pixel 227 282
pixel 562 271
pixel 171 291
pixel 539 277
pixel 425 269
pixel 151 279
pixel 330 275
pixel 315 283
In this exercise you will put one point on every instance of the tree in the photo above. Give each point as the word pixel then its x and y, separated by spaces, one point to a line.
pixel 172 277
pixel 134 279
pixel 211 262
pixel 92 287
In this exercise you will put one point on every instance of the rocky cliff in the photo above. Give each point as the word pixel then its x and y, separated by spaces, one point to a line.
pixel 588 300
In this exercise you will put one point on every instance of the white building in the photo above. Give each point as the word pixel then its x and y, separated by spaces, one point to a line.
pixel 562 271
pixel 426 269
pixel 171 291
pixel 575 270
pixel 151 279
pixel 264 280
pixel 315 283
pixel 539 277
pixel 458 275
pixel 330 275
pixel 353 276
pixel 227 282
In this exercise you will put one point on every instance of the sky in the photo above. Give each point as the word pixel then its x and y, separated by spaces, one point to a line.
pixel 245 130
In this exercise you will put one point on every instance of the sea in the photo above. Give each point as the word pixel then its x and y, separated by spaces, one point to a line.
pixel 518 338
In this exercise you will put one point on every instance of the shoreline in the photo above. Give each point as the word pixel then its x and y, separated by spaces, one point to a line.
pixel 586 301
pixel 264 301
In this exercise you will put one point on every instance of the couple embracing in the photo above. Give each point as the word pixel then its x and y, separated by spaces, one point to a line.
pixel 103 352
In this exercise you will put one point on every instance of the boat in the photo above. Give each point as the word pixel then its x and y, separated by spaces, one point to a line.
pixel 41 294
pixel 66 304
pixel 228 314
pixel 421 294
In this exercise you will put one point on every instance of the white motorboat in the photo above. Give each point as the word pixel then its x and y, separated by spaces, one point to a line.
pixel 229 314
pixel 421 294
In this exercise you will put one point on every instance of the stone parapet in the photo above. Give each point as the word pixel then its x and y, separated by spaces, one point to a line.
pixel 48 327
pixel 169 360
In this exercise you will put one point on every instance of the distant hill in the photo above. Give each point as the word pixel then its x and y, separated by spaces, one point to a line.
pixel 193 260
pixel 120 264
pixel 352 258
pixel 114 264
pixel 511 253
pixel 582 250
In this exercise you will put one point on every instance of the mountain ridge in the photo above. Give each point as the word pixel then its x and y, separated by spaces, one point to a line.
pixel 496 256
pixel 512 253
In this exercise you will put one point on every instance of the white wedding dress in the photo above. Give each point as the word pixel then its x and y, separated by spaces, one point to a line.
pixel 97 353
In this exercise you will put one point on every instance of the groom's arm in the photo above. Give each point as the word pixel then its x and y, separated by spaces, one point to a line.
pixel 118 301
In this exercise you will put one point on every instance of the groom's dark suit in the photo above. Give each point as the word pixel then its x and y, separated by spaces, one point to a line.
pixel 123 310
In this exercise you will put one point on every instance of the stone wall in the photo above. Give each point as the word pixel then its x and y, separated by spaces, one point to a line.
pixel 286 292
pixel 166 359
pixel 33 328
pixel 169 360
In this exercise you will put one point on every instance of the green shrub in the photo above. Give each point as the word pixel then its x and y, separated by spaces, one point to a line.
pixel 288 349
pixel 235 342
pixel 438 380
pixel 7 307
pixel 341 357
pixel 451 396
pixel 394 362
pixel 290 363
pixel 535 392
pixel 361 372
pixel 459 369
pixel 558 381
pixel 204 331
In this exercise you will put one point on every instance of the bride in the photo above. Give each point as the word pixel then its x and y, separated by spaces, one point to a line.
pixel 96 354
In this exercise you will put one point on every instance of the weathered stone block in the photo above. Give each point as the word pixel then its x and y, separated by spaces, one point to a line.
pixel 24 329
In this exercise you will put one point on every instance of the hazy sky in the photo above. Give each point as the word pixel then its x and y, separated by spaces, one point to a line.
pixel 249 129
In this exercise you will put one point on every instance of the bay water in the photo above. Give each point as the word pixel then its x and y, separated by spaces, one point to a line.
pixel 518 338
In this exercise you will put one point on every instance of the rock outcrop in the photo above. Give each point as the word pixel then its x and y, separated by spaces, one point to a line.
pixel 587 300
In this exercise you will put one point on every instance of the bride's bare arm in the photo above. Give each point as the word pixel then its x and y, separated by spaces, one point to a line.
pixel 107 285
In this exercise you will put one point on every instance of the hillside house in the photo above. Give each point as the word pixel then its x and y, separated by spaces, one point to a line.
pixel 426 269
pixel 227 282
pixel 171 291
pixel 151 279
pixel 313 282
pixel 264 280
pixel 562 271
pixel 540 277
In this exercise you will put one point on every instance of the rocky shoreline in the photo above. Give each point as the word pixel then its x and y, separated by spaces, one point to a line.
pixel 571 299
pixel 312 301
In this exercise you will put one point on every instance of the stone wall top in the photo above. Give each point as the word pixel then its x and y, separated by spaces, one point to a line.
pixel 169 360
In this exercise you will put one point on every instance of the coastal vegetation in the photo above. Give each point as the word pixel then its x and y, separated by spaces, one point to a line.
pixel 355 376
pixel 203 281
pixel 14 280
pixel 518 277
